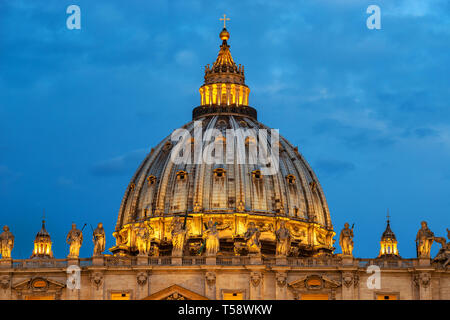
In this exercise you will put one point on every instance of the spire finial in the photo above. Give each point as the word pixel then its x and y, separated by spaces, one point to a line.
pixel 387 215
pixel 224 19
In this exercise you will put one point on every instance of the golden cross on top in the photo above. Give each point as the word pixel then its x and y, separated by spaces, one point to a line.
pixel 388 216
pixel 225 19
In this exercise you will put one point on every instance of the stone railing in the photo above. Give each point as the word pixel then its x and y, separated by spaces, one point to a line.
pixel 37 263
pixel 114 261
pixel 387 264
pixel 314 262
pixel 189 261
pixel 232 260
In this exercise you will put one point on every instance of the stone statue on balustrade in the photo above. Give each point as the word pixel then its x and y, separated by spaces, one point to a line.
pixel 6 243
pixel 99 240
pixel 252 235
pixel 211 237
pixel 179 233
pixel 74 240
pixel 143 238
pixel 283 236
pixel 443 255
pixel 346 240
pixel 424 240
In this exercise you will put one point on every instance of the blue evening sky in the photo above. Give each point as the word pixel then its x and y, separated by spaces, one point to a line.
pixel 369 109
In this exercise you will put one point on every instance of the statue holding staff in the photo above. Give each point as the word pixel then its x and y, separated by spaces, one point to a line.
pixel 74 240
pixel 346 240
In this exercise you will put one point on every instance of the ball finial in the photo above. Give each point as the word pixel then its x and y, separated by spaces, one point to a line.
pixel 224 35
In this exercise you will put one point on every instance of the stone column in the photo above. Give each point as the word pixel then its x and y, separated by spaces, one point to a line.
pixel 219 95
pixel 210 92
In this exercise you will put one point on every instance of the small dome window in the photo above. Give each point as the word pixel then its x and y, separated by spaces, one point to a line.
pixel 290 179
pixel 181 175
pixel 256 174
pixel 151 179
pixel 219 172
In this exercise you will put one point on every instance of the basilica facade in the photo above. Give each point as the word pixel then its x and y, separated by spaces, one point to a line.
pixel 225 208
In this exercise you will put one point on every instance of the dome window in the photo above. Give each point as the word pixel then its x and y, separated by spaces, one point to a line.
pixel 290 179
pixel 219 172
pixel 151 180
pixel 181 175
pixel 256 174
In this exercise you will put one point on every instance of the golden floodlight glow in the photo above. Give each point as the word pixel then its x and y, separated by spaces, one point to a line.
pixel 42 244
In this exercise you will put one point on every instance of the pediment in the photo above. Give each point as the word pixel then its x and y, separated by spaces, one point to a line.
pixel 175 292
pixel 39 284
pixel 314 282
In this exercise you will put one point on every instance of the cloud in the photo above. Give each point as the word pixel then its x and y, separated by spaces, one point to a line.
pixel 118 165
pixel 186 57
pixel 333 167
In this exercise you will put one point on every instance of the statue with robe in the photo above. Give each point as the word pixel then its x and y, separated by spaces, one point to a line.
pixel 143 239
pixel 6 243
pixel 211 237
pixel 74 240
pixel 251 237
pixel 99 240
pixel 178 237
pixel 283 236
pixel 346 240
pixel 424 240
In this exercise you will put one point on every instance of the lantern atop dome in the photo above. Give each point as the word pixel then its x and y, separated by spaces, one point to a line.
pixel 224 80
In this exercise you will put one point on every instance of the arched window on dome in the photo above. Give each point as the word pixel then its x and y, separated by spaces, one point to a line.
pixel 219 172
pixel 151 179
pixel 290 178
pixel 181 175
pixel 256 174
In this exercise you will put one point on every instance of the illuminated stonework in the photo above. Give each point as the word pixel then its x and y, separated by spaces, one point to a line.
pixel 235 194
pixel 42 244
pixel 224 81
pixel 224 231
pixel 388 243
